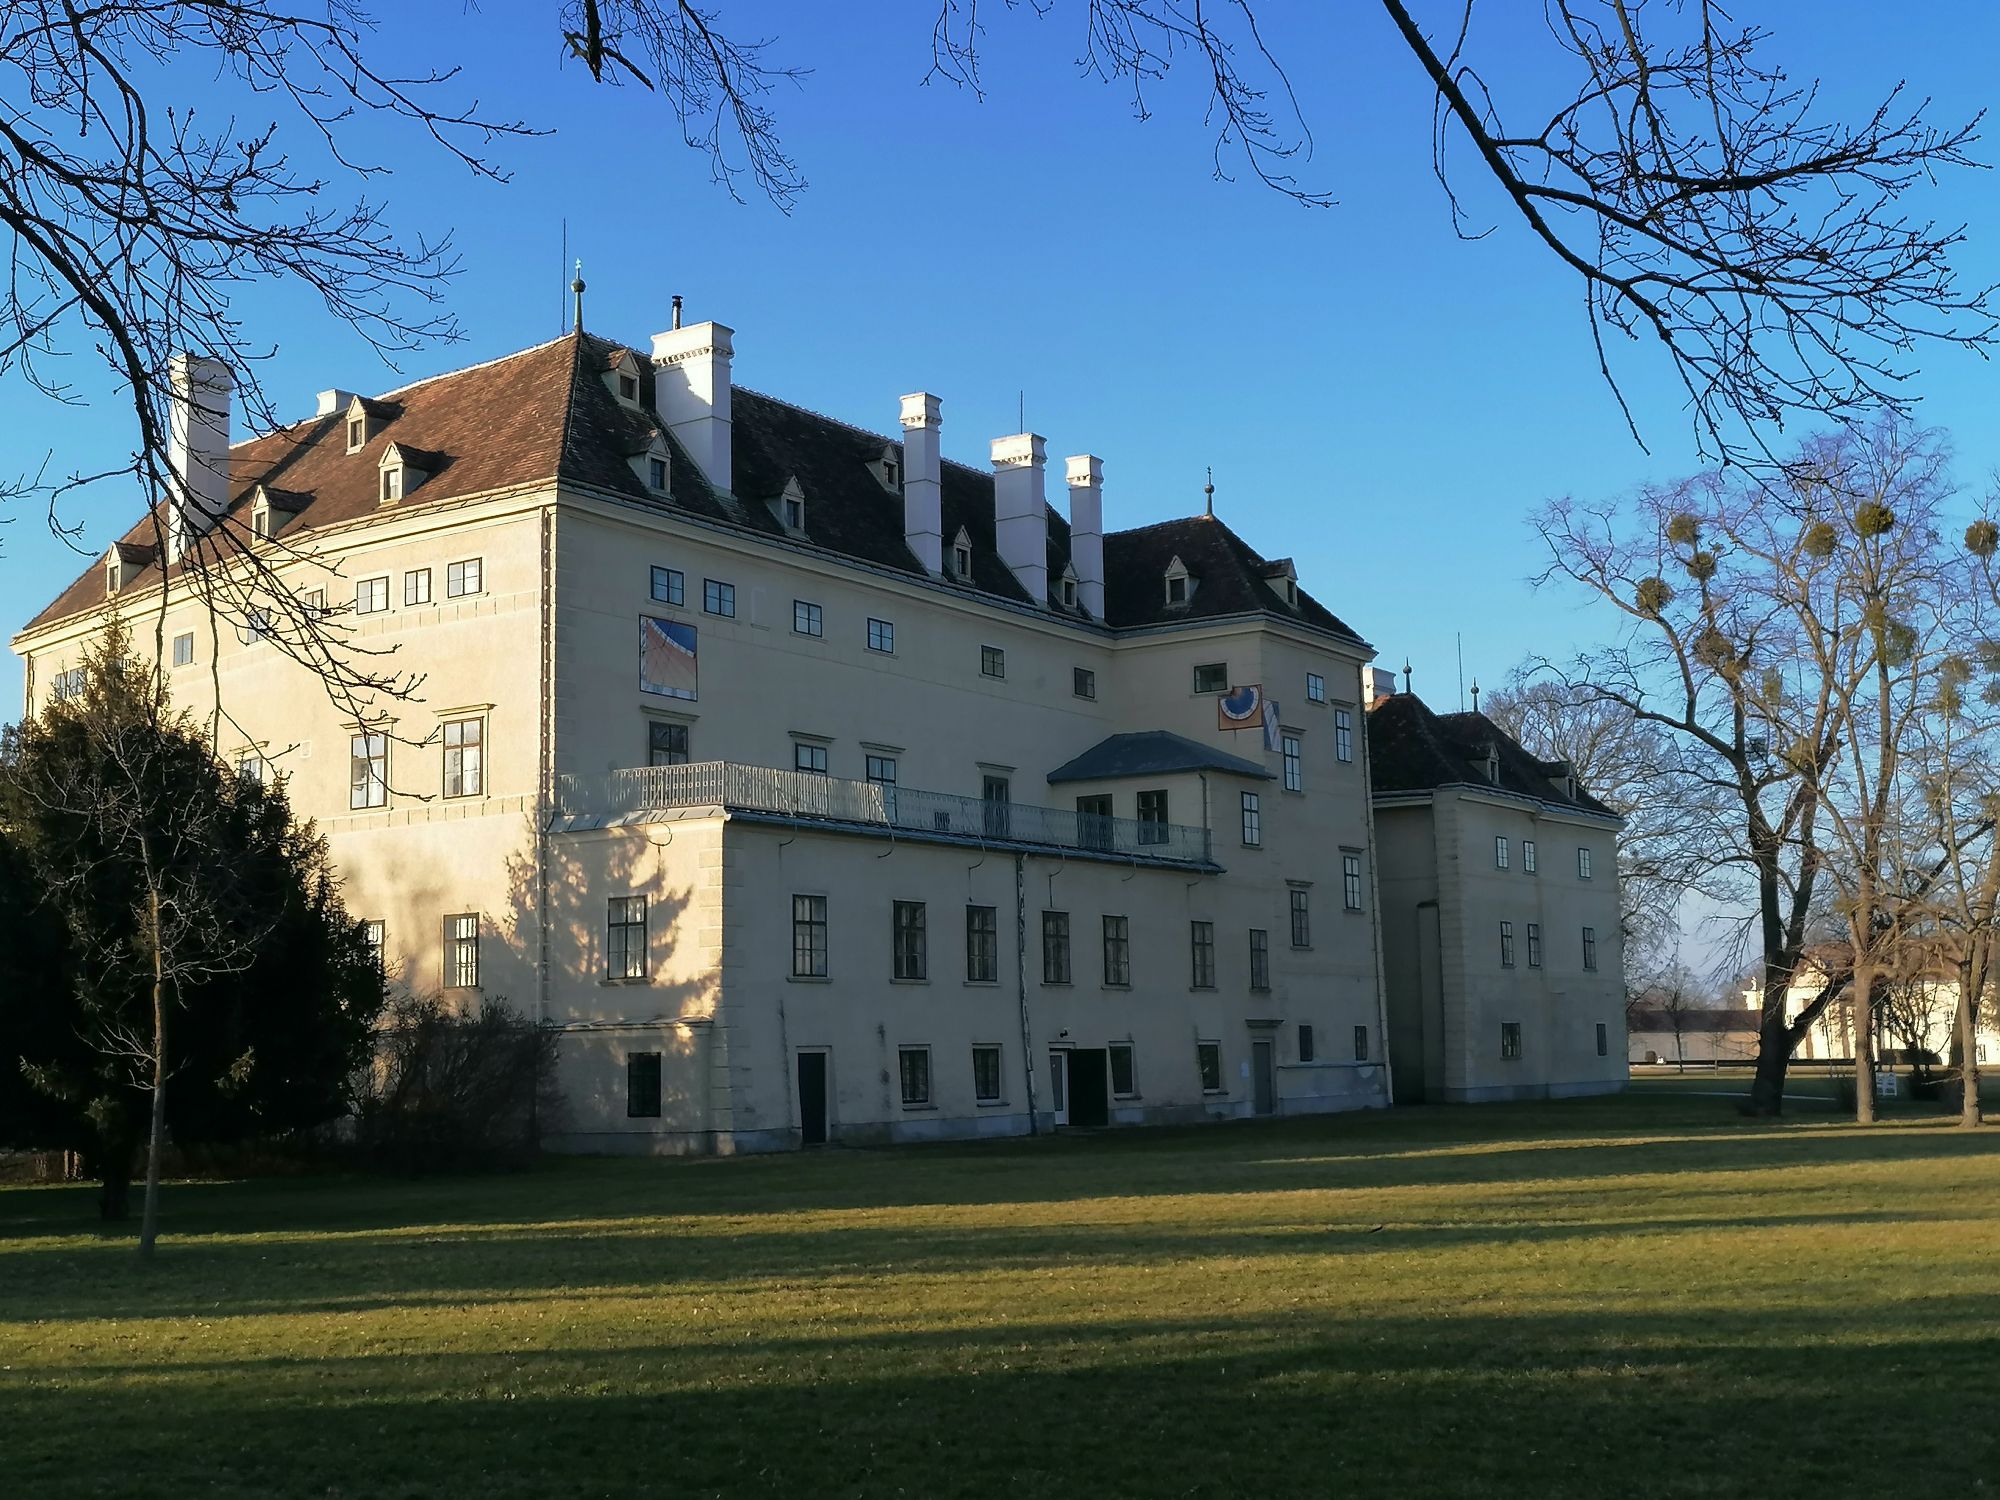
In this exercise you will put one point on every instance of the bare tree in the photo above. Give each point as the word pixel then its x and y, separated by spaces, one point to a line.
pixel 1761 634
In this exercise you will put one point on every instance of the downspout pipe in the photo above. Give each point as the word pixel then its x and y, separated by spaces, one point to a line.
pixel 1021 986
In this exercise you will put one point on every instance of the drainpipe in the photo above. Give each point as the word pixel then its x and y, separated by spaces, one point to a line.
pixel 1021 985
pixel 1375 917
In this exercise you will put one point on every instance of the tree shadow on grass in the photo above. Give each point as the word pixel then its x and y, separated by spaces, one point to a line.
pixel 1482 1403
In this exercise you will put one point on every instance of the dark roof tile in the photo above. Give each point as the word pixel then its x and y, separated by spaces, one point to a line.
pixel 1411 749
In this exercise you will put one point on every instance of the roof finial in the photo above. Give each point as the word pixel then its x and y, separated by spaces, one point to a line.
pixel 1475 695
pixel 1208 493
pixel 576 286
pixel 1406 674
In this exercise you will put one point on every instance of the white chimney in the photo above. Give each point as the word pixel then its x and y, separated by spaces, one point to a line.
pixel 197 446
pixel 691 394
pixel 1377 684
pixel 1085 473
pixel 923 484
pixel 333 401
pixel 1020 514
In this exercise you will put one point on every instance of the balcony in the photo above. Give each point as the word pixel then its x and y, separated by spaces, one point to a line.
pixel 766 792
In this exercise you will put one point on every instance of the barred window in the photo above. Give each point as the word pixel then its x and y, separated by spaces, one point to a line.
pixel 1055 947
pixel 625 937
pixel 464 757
pixel 1510 1038
pixel 1201 944
pixel 986 1074
pixel 1117 950
pixel 1260 959
pixel 982 944
pixel 461 951
pixel 809 937
pixel 910 937
pixel 914 1065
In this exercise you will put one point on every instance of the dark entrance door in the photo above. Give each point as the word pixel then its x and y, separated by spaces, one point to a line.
pixel 1263 1076
pixel 812 1098
pixel 1089 1086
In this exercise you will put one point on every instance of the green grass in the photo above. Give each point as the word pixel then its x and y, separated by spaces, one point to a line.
pixel 1641 1295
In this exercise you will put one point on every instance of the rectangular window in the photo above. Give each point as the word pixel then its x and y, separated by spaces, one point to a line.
pixel 1055 947
pixel 1361 1044
pixel 1590 947
pixel 1343 734
pixel 1534 945
pixel 1094 827
pixel 371 595
pixel 1307 1051
pixel 252 767
pixel 625 937
pixel 913 1064
pixel 986 1075
pixel 368 771
pixel 464 757
pixel 910 936
pixel 184 648
pixel 1208 1059
pixel 642 1086
pixel 992 662
pixel 1201 944
pixel 1260 959
pixel 666 743
pixel 376 935
pixel 461 951
pixel 417 586
pixel 806 618
pixel 1603 1040
pixel 996 795
pixel 1083 682
pixel 357 433
pixel 718 598
pixel 1315 688
pixel 1117 950
pixel 1506 945
pixel 1212 677
pixel 669 586
pixel 1301 919
pixel 1295 773
pixel 1500 852
pixel 462 578
pixel 809 937
pixel 656 474
pixel 1583 864
pixel 1253 819
pixel 1124 1077
pixel 881 769
pixel 1152 817
pixel 881 635
pixel 1350 881
pixel 1510 1038
pixel 1528 855
pixel 982 944
pixel 809 758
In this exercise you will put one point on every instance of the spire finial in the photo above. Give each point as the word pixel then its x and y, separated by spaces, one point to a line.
pixel 1475 695
pixel 1406 674
pixel 576 286
pixel 1208 493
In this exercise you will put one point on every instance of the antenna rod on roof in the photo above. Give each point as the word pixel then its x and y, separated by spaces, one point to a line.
pixel 565 259
pixel 1461 671
pixel 677 309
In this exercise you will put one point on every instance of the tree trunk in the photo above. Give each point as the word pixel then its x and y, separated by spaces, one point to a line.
pixel 1862 1006
pixel 1971 985
pixel 1774 1056
pixel 149 1220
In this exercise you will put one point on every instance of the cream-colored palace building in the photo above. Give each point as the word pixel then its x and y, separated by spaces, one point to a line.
pixel 816 787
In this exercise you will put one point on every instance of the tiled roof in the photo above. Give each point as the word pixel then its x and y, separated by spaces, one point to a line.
pixel 546 414
pixel 1411 749
pixel 1152 752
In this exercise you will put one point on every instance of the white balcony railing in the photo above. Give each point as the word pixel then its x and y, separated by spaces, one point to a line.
pixel 808 797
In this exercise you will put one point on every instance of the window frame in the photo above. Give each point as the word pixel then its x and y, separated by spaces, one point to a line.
pixel 1291 748
pixel 656 474
pixel 1210 667
pixel 810 936
pixel 1201 954
pixel 621 962
pixel 1131 1051
pixel 909 942
pixel 1603 1040
pixel 1153 813
pixel 1350 881
pixel 1298 905
pixel 1207 1064
pixel 920 1054
pixel 718 598
pixel 1083 683
pixel 180 658
pixel 1511 1048
pixel 1260 958
pixel 808 619
pixel 1534 936
pixel 371 790
pixel 809 758
pixel 416 587
pixel 668 729
pixel 1056 948
pixel 370 585
pixel 1506 944
pixel 1308 1044
pixel 1590 950
pixel 1116 929
pixel 644 1086
pixel 881 636
pixel 993 662
pixel 471 574
pixel 1251 805
pixel 667 585
pixel 1360 1043
pixel 1501 856
pixel 1343 735
pixel 1315 687
pixel 995 1052
pixel 1528 857
pixel 880 770
pixel 982 944
pixel 461 950
pixel 1583 862
pixel 473 785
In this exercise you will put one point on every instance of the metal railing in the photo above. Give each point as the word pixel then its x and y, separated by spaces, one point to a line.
pixel 803 795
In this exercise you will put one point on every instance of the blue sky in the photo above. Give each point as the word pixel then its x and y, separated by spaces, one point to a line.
pixel 1378 399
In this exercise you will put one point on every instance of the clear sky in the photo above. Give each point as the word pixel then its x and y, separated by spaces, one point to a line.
pixel 1379 400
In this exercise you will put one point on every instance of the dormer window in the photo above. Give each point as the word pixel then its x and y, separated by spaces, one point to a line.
pixel 392 484
pixel 1066 589
pixel 656 474
pixel 1493 763
pixel 365 419
pixel 621 377
pixel 114 574
pixel 357 434
pixel 260 522
pixel 628 388
pixel 889 469
pixel 403 469
pixel 961 556
pixel 1180 583
pixel 795 512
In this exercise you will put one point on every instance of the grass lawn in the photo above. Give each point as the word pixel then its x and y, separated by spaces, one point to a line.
pixel 1638 1295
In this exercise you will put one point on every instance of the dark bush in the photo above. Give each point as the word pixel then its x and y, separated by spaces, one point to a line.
pixel 457 1092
